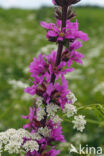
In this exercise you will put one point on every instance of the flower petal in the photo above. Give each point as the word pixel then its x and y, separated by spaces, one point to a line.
pixel 51 34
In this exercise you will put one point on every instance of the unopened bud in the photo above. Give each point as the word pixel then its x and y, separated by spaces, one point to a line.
pixel 58 13
pixel 70 2
pixel 70 13
pixel 65 2
pixel 65 56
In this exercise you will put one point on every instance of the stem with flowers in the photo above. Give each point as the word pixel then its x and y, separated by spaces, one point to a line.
pixel 60 44
pixel 51 89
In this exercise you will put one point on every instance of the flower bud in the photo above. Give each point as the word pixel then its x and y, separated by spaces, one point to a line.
pixel 60 2
pixel 70 2
pixel 40 90
pixel 64 2
pixel 58 13
pixel 65 56
pixel 70 13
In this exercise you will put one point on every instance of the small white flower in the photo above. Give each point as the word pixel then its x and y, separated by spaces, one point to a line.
pixel 52 109
pixel 31 146
pixel 57 119
pixel 39 101
pixel 44 131
pixel 35 136
pixel 69 110
pixel 71 97
pixel 17 139
pixel 79 123
pixel 40 114
pixel 3 138
pixel 11 131
pixel 23 133
pixel 12 147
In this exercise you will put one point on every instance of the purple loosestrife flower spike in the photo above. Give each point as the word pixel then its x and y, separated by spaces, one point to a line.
pixel 52 95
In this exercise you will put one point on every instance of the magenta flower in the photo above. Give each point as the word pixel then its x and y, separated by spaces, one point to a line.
pixel 38 67
pixel 62 90
pixel 56 131
pixel 53 152
pixel 73 56
pixel 54 2
pixel 76 56
pixel 56 134
pixel 30 117
pixel 75 45
pixel 55 33
pixel 60 70
pixel 31 90
pixel 34 153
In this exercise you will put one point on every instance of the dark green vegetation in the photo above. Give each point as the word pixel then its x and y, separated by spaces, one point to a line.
pixel 21 38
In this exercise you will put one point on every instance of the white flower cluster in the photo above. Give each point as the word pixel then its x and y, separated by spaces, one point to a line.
pixel 41 111
pixel 44 131
pixel 69 110
pixel 57 119
pixel 51 109
pixel 11 141
pixel 71 97
pixel 40 114
pixel 79 122
pixel 39 101
pixel 31 146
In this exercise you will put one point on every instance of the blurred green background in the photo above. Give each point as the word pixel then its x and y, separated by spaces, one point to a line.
pixel 21 39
